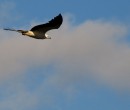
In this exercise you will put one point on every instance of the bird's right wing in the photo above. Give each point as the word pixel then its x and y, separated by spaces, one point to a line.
pixel 54 23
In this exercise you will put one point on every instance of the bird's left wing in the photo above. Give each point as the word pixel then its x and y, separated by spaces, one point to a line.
pixel 55 23
pixel 9 29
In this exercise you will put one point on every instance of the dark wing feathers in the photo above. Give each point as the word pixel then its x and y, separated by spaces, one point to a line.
pixel 9 29
pixel 55 23
pixel 52 24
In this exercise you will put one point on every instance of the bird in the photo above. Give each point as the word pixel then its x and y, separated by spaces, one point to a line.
pixel 39 31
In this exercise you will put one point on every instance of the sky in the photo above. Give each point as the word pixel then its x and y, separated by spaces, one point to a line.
pixel 85 66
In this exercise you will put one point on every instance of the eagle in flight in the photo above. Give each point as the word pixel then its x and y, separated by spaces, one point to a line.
pixel 39 31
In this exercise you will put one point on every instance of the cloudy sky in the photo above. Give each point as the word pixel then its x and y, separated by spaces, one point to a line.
pixel 85 66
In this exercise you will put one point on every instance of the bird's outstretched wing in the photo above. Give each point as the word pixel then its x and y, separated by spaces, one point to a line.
pixel 9 29
pixel 55 23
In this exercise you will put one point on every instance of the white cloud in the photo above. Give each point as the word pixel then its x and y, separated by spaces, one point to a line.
pixel 89 51
pixel 93 50
pixel 92 47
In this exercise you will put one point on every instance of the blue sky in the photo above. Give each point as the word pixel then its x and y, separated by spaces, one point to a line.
pixel 82 10
pixel 85 66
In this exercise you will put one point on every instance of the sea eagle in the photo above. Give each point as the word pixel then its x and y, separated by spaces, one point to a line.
pixel 39 31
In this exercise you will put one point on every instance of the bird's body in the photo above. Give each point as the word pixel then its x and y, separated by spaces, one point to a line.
pixel 29 33
pixel 39 31
pixel 36 35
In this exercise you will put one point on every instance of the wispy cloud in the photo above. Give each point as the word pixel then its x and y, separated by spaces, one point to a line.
pixel 78 53
pixel 92 50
